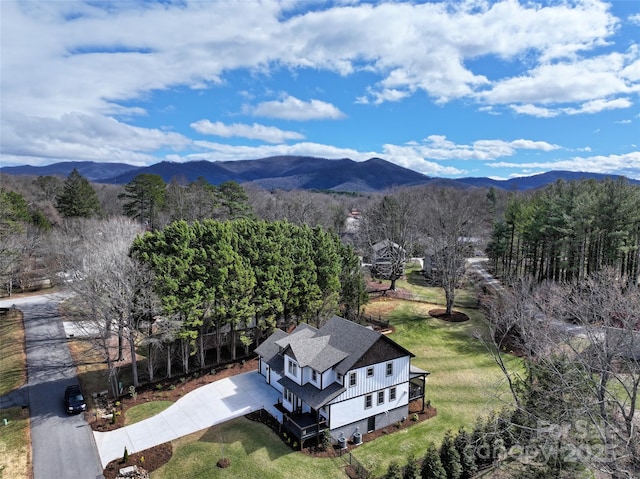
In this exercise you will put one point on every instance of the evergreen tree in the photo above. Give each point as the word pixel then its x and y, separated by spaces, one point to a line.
pixel 78 198
pixel 394 471
pixel 431 464
pixel 464 447
pixel 145 196
pixel 412 469
pixel 450 457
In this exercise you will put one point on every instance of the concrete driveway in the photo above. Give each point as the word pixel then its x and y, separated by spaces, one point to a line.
pixel 207 406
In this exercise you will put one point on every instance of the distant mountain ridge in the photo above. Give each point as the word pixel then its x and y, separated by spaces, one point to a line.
pixel 293 172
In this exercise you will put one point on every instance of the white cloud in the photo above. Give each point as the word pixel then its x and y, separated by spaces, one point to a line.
pixel 533 110
pixel 291 108
pixel 270 134
pixel 85 137
pixel 627 164
pixel 438 147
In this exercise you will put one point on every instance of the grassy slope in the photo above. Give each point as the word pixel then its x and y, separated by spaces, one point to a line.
pixel 254 451
pixel 12 356
pixel 464 383
pixel 15 442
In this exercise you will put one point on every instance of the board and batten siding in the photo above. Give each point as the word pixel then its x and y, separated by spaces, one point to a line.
pixel 379 380
pixel 353 410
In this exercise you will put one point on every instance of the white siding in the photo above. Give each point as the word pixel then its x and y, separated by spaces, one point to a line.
pixel 352 410
pixel 298 376
pixel 379 380
pixel 275 377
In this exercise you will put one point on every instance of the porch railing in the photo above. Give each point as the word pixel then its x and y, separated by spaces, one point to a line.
pixel 303 432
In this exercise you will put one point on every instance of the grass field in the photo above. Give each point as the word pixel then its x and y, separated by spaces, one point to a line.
pixel 254 451
pixel 12 356
pixel 464 383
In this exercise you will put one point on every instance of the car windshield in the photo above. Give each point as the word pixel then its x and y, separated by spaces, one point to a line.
pixel 76 398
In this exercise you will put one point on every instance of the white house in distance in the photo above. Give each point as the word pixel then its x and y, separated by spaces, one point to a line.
pixel 344 377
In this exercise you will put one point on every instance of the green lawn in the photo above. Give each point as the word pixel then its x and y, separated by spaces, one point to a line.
pixel 143 411
pixel 12 357
pixel 464 383
pixel 254 450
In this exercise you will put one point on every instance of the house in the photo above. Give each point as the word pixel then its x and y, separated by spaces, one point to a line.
pixel 343 377
pixel 388 259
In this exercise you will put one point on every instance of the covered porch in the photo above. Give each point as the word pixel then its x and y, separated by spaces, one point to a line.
pixel 303 425
pixel 417 384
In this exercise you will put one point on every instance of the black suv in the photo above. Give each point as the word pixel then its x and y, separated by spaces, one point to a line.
pixel 74 400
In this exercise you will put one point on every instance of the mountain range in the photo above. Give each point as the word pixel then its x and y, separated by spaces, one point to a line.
pixel 293 172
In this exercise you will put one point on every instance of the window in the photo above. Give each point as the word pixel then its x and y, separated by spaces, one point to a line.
pixel 352 379
pixel 368 401
pixel 293 368
pixel 314 376
pixel 339 378
pixel 392 394
pixel 370 372
pixel 389 369
pixel 380 397
pixel 288 395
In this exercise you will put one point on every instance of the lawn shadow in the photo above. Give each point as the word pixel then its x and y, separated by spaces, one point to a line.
pixel 251 435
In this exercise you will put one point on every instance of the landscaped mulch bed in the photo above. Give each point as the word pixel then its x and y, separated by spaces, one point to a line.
pixel 454 317
pixel 149 460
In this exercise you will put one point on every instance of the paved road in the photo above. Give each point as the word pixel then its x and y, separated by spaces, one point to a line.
pixel 63 446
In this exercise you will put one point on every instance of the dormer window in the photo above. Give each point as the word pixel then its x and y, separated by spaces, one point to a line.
pixel 293 368
pixel 314 376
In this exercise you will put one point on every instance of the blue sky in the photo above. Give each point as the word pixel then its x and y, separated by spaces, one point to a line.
pixel 449 89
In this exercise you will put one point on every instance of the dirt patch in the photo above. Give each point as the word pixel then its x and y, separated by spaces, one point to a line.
pixel 454 317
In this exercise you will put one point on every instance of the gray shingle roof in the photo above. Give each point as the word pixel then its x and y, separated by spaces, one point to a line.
pixel 314 397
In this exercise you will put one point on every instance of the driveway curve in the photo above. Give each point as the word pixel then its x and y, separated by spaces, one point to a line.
pixel 204 407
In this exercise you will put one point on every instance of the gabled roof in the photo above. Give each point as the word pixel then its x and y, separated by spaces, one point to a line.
pixel 340 344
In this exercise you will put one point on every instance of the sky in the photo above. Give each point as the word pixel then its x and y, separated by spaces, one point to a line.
pixel 451 89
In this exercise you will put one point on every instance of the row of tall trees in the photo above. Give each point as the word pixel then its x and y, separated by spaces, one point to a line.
pixel 568 231
pixel 240 278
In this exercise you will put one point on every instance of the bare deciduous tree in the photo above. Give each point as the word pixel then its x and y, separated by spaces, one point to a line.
pixel 581 346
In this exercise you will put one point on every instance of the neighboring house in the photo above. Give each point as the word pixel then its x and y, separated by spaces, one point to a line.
pixel 470 246
pixel 343 377
pixel 388 259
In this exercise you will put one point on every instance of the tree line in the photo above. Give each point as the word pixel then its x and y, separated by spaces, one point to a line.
pixel 568 231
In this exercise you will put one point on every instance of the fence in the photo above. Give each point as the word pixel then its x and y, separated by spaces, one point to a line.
pixel 354 468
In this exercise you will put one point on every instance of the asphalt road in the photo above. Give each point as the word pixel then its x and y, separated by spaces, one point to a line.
pixel 63 446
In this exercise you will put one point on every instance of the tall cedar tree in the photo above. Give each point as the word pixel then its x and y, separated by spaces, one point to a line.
pixel 412 469
pixel 464 447
pixel 449 457
pixel 78 198
pixel 431 464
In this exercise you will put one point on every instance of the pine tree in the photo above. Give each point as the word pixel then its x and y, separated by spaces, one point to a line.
pixel 394 471
pixel 464 447
pixel 412 469
pixel 431 464
pixel 78 198
pixel 450 458
pixel 146 196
